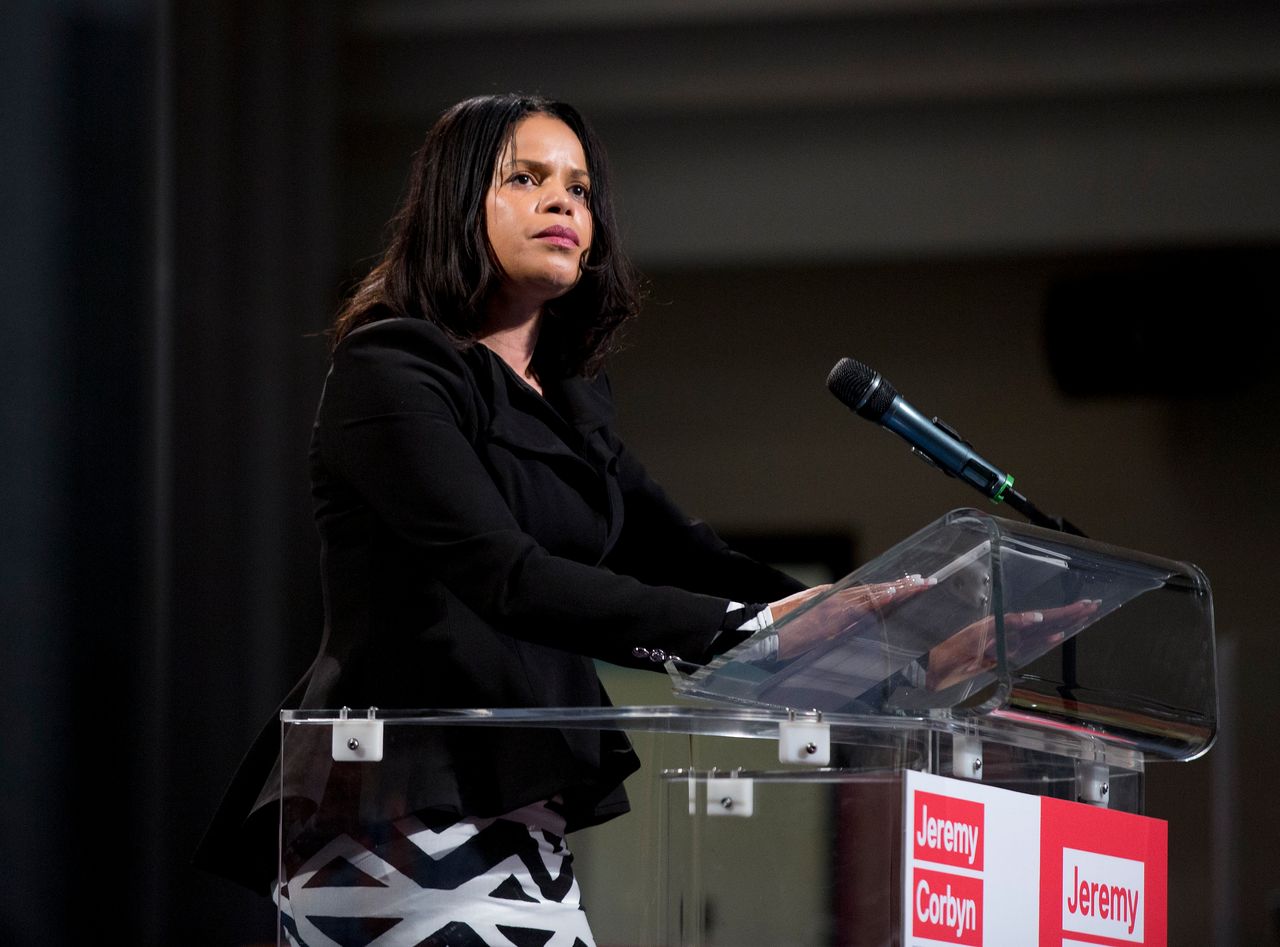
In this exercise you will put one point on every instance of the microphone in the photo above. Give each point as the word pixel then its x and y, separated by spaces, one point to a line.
pixel 866 392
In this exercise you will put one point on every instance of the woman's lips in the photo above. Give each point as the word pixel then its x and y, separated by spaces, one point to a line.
pixel 560 236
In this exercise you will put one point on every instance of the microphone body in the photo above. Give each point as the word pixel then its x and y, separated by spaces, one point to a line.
pixel 864 391
pixel 947 453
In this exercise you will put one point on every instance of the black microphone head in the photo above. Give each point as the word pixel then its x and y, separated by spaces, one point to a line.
pixel 861 388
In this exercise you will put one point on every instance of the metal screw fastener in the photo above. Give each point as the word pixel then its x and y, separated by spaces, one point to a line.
pixel 353 744
pixel 977 766
pixel 1104 789
pixel 811 748
pixel 727 802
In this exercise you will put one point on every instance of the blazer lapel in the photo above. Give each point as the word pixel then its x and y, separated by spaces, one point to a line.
pixel 531 425
pixel 591 412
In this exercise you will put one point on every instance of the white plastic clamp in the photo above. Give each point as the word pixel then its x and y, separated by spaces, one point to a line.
pixel 966 756
pixel 806 741
pixel 357 739
pixel 730 795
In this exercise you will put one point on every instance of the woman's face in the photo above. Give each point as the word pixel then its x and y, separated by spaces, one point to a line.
pixel 537 212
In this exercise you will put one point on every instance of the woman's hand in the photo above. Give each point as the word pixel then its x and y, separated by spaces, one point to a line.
pixel 973 649
pixel 837 611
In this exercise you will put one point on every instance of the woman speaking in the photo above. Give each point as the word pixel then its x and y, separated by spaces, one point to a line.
pixel 485 535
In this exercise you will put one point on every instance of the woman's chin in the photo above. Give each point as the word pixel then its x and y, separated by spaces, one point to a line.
pixel 556 285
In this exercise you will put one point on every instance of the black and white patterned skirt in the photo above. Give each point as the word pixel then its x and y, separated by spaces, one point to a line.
pixel 502 882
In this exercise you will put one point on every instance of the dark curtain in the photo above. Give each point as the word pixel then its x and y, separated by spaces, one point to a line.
pixel 167 260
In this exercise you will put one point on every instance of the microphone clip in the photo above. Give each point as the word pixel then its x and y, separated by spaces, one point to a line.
pixel 952 432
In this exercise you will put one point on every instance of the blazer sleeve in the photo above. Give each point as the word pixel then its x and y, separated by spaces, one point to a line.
pixel 396 425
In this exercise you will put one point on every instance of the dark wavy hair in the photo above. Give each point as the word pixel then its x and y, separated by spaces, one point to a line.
pixel 439 265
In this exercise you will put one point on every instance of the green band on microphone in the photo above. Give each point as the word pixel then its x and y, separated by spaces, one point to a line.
pixel 998 496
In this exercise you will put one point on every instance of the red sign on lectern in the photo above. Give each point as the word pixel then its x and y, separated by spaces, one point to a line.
pixel 1103 876
pixel 986 867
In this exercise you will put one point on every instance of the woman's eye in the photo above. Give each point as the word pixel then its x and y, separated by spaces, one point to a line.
pixel 522 178
pixel 579 191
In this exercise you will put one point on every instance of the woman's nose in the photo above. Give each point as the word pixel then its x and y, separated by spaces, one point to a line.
pixel 555 200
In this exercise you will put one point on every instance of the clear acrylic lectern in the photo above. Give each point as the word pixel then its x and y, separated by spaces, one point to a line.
pixel 772 813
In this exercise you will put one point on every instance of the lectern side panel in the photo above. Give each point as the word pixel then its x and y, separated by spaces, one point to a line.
pixel 725 846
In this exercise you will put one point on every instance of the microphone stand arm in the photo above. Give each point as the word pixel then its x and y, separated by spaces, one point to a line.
pixel 1036 516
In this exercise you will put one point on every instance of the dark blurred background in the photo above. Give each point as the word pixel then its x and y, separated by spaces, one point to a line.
pixel 1056 224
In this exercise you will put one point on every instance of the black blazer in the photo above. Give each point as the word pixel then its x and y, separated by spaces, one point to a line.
pixel 480 545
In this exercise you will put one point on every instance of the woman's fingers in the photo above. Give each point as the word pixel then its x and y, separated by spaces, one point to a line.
pixel 793 601
pixel 880 594
pixel 1065 614
pixel 834 612
pixel 858 600
pixel 1020 620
